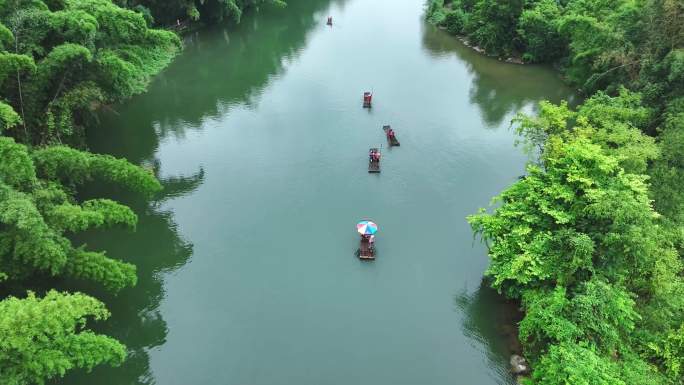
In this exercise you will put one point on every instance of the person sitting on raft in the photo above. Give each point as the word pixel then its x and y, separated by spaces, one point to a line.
pixel 390 133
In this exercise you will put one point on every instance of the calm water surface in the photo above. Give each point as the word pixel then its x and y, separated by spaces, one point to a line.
pixel 246 263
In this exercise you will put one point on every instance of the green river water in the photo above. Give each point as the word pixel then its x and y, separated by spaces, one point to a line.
pixel 247 273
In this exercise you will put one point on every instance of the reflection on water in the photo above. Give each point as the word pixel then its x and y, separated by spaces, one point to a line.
pixel 490 323
pixel 498 89
pixel 176 186
pixel 192 93
pixel 135 319
pixel 204 82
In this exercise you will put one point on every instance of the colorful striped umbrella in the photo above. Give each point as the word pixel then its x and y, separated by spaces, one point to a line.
pixel 366 228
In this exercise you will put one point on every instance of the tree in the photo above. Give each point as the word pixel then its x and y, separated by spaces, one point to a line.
pixel 538 31
pixel 43 338
pixel 619 123
pixel 38 210
pixel 211 11
pixel 576 364
pixel 572 214
pixel 579 242
pixel 69 59
pixel 492 23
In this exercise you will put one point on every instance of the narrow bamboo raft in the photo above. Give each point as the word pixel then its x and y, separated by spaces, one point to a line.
pixel 367 99
pixel 366 252
pixel 393 140
pixel 373 165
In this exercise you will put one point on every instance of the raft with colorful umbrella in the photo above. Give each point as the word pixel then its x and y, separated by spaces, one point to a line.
pixel 367 229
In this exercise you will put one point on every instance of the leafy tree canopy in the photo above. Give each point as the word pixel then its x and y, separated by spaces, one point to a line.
pixel 579 242
pixel 60 60
pixel 42 338
pixel 38 210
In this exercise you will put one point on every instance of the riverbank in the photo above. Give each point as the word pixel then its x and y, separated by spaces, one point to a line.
pixel 634 90
pixel 464 39
pixel 441 14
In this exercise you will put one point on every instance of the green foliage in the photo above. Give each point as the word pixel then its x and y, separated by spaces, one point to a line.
pixel 86 52
pixel 597 312
pixel 96 266
pixel 43 338
pixel 673 353
pixel 576 364
pixel 552 120
pixel 600 44
pixel 146 14
pixel 603 42
pixel 578 241
pixel 8 117
pixel 94 213
pixel 619 124
pixel 166 12
pixel 455 21
pixel 668 171
pixel 546 319
pixel 492 24
pixel 6 38
pixel 534 232
pixel 16 169
pixel 538 31
pixel 37 212
pixel 59 61
pixel 11 64
pixel 72 167
pixel 435 12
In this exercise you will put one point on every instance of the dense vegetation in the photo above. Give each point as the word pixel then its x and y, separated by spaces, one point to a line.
pixel 169 12
pixel 598 44
pixel 578 241
pixel 591 239
pixel 60 61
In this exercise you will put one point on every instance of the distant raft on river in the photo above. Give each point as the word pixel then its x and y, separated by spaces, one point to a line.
pixel 391 136
pixel 374 160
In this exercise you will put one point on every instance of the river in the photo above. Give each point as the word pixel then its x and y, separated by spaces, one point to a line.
pixel 246 263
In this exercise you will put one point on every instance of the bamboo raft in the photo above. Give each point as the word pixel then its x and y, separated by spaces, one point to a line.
pixel 393 140
pixel 367 99
pixel 366 251
pixel 373 166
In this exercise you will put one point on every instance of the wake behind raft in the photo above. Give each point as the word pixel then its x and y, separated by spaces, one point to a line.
pixel 367 229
